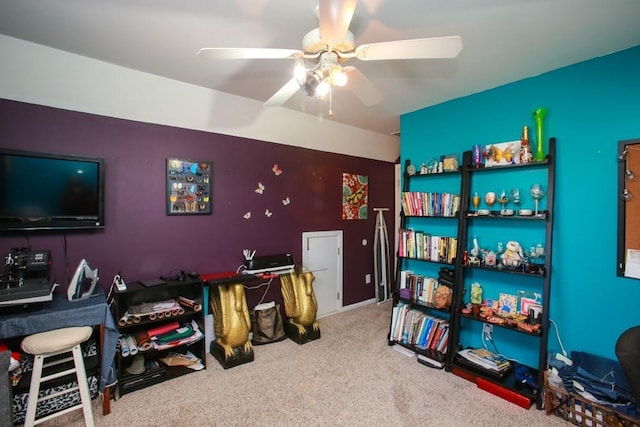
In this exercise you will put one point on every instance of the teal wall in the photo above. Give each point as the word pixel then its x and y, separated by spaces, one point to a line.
pixel 591 106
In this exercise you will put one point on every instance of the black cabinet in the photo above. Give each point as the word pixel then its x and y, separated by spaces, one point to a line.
pixel 425 270
pixel 534 278
pixel 175 306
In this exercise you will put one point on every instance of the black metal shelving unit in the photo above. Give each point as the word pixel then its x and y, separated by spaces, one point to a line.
pixel 442 359
pixel 458 366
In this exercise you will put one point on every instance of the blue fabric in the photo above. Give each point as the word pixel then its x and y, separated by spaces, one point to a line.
pixel 60 313
pixel 601 377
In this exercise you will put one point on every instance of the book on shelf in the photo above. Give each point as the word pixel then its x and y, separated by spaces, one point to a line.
pixel 425 246
pixel 414 327
pixel 438 334
pixel 430 204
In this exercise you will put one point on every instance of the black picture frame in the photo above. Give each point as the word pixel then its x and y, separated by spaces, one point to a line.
pixel 189 187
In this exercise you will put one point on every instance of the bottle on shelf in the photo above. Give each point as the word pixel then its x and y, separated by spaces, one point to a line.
pixel 526 154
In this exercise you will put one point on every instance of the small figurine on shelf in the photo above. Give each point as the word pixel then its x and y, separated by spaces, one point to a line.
pixel 489 258
pixel 474 253
pixel 476 297
pixel 535 258
pixel 423 169
pixel 513 256
pixel 476 293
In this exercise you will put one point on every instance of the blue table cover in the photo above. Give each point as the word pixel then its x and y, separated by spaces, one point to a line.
pixel 61 313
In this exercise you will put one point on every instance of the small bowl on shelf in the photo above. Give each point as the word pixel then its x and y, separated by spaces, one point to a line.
pixel 507 212
pixel 483 212
pixel 525 212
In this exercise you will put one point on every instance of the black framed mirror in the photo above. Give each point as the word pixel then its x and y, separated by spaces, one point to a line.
pixel 628 260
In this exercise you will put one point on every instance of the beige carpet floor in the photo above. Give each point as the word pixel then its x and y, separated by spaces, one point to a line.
pixel 349 377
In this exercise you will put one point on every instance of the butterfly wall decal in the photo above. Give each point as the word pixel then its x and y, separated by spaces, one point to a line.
pixel 276 170
pixel 260 188
pixel 247 215
pixel 268 213
pixel 286 201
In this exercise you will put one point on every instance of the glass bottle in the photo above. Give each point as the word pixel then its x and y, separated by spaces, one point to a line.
pixel 526 154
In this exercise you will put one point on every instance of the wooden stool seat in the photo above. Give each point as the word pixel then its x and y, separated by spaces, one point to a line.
pixel 52 343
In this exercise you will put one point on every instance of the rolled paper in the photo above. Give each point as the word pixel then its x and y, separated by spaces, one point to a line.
pixel 192 304
pixel 137 319
pixel 176 312
pixel 123 320
pixel 143 340
pixel 180 311
pixel 152 317
pixel 164 328
pixel 124 346
pixel 129 320
pixel 160 315
pixel 133 345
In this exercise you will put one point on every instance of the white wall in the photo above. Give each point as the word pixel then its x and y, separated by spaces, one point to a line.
pixel 41 75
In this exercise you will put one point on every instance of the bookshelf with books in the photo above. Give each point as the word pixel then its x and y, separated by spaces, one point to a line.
pixel 427 252
pixel 515 296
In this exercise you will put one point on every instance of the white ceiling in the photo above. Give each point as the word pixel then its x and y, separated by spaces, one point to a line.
pixel 504 41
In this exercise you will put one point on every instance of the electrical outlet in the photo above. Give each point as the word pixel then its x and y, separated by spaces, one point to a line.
pixel 488 330
pixel 367 279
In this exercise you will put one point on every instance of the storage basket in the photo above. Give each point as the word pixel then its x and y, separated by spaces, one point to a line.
pixel 579 411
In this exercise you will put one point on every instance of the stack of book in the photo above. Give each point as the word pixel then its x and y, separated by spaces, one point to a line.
pixel 412 327
pixel 484 359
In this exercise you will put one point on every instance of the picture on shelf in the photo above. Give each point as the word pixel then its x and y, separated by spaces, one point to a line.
pixel 508 303
pixel 502 154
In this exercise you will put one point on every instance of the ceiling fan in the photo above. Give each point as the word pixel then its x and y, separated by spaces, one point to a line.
pixel 328 47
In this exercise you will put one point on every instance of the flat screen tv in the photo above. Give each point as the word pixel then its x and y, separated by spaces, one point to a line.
pixel 43 191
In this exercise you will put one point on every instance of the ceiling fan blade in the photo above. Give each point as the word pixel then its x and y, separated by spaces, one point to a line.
pixel 248 53
pixel 335 18
pixel 283 94
pixel 362 87
pixel 437 47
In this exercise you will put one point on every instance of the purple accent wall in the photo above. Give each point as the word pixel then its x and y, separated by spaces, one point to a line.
pixel 140 241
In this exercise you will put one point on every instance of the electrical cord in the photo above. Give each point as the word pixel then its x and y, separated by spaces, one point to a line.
pixel 564 352
pixel 267 284
pixel 495 347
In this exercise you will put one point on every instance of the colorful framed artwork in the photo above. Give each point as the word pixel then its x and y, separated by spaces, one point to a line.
pixel 354 196
pixel 189 187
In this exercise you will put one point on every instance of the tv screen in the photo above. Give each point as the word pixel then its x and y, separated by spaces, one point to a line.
pixel 41 191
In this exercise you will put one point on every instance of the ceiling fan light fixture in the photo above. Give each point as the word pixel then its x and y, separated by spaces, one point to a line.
pixel 338 76
pixel 299 72
pixel 323 89
pixel 312 81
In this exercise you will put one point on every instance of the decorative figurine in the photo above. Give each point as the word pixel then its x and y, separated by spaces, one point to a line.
pixel 489 258
pixel 442 297
pixel 474 253
pixel 300 307
pixel 232 324
pixel 476 293
pixel 512 256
